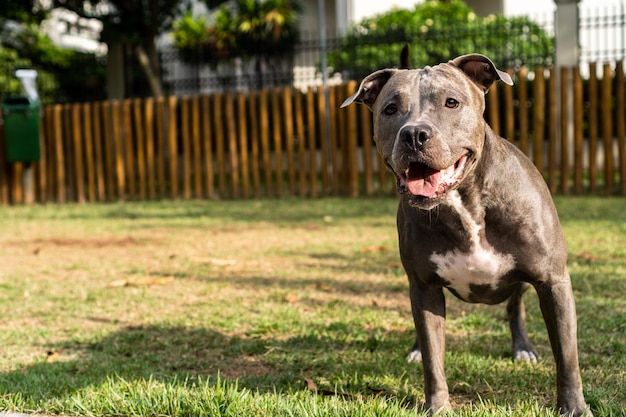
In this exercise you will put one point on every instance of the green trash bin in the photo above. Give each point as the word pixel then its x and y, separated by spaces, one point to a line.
pixel 21 128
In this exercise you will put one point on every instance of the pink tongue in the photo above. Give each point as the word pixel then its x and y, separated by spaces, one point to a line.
pixel 423 181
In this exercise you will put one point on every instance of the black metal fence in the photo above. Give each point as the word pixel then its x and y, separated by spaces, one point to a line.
pixel 511 43
pixel 602 33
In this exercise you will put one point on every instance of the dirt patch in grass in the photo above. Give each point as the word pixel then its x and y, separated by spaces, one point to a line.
pixel 244 367
pixel 97 242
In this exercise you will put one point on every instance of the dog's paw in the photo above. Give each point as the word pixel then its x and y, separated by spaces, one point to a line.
pixel 414 356
pixel 526 356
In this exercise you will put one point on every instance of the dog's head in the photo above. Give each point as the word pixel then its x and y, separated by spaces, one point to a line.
pixel 428 123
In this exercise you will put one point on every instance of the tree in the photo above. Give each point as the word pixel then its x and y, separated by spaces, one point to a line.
pixel 135 23
pixel 21 11
pixel 437 31
pixel 250 29
pixel 267 28
pixel 23 44
pixel 260 32
pixel 199 41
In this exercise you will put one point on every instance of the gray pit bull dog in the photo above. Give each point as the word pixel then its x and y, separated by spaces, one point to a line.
pixel 475 216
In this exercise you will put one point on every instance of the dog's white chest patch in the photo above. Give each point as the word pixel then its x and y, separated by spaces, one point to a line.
pixel 481 266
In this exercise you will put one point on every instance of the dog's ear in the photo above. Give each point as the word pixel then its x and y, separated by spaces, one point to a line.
pixel 481 70
pixel 405 61
pixel 370 88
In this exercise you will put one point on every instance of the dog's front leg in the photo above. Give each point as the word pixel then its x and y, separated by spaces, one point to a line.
pixel 559 312
pixel 429 314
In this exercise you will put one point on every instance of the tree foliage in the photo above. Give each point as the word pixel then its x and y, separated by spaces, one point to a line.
pixel 21 11
pixel 23 44
pixel 437 31
pixel 247 29
pixel 134 24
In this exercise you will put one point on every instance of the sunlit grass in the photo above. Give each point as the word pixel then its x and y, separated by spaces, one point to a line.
pixel 273 307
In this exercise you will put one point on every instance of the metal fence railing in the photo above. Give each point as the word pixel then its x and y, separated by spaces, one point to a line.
pixel 516 42
pixel 603 33
pixel 352 56
pixel 510 44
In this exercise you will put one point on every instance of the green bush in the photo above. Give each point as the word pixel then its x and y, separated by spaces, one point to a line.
pixel 250 28
pixel 436 32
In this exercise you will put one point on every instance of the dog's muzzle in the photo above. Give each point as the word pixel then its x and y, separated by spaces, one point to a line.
pixel 420 180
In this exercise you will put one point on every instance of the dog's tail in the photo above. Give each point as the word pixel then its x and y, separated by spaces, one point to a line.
pixel 404 57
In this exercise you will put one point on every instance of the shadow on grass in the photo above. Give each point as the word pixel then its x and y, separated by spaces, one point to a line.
pixel 177 353
pixel 356 361
pixel 270 210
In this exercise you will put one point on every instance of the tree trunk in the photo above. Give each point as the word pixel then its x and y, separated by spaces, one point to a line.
pixel 149 65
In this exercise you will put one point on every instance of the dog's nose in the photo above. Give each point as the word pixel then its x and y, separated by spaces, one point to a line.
pixel 416 135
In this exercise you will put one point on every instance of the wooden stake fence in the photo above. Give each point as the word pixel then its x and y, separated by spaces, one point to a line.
pixel 288 142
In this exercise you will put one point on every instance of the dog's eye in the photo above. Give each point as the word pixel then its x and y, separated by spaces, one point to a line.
pixel 452 103
pixel 390 109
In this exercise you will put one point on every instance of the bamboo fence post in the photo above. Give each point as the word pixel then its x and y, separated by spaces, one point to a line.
pixel 219 142
pixel 277 136
pixel 186 147
pixel 50 151
pixel 287 107
pixel 326 159
pixel 593 128
pixel 161 126
pixel 79 158
pixel 207 145
pixel 539 118
pixel 196 149
pixel 264 127
pixel 335 163
pixel 509 111
pixel 129 148
pixel 254 139
pixel 523 110
pixel 607 128
pixel 172 142
pixel 140 138
pixel 4 172
pixel 119 150
pixel 312 140
pixel 366 137
pixel 564 130
pixel 578 132
pixel 620 120
pixel 552 123
pixel 88 157
pixel 242 132
pixel 231 134
pixel 148 117
pixel 59 154
pixel 493 108
pixel 352 148
pixel 109 160
pixel 98 150
pixel 301 138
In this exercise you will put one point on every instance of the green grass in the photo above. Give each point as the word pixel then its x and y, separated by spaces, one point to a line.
pixel 213 308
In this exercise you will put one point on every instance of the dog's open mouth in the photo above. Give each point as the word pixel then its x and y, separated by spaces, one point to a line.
pixel 423 181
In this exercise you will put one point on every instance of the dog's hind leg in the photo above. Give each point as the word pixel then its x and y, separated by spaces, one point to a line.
pixel 523 349
pixel 415 355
